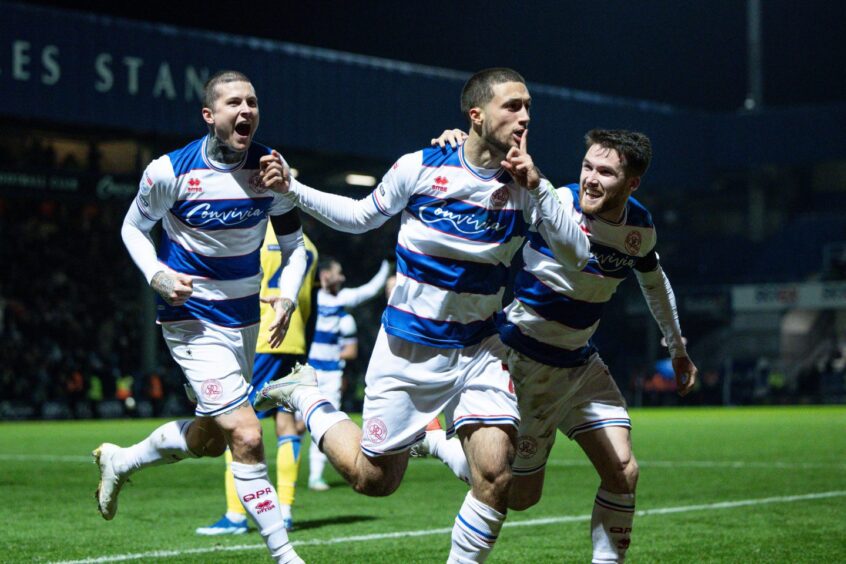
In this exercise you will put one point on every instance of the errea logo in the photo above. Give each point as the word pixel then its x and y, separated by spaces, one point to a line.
pixel 440 184
pixel 194 185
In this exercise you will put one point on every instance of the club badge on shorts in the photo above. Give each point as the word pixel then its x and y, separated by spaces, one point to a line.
pixel 377 431
pixel 212 390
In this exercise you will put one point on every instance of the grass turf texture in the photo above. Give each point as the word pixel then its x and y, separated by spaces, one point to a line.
pixel 691 461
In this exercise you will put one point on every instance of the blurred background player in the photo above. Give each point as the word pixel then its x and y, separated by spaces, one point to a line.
pixel 272 362
pixel 561 381
pixel 213 197
pixel 335 342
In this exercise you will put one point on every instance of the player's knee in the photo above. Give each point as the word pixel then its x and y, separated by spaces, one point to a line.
pixel 247 440
pixel 522 500
pixel 372 486
pixel 624 477
pixel 632 473
pixel 214 447
pixel 495 480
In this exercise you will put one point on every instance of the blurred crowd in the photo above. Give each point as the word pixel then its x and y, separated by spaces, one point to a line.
pixel 68 307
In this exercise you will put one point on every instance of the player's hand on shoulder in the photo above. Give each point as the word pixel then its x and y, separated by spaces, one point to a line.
pixel 284 308
pixel 686 373
pixel 275 173
pixel 519 164
pixel 454 137
pixel 175 288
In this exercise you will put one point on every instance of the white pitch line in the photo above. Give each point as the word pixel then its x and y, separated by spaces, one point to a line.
pixel 563 463
pixel 446 530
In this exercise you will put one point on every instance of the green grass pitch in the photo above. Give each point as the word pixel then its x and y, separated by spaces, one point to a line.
pixel 716 485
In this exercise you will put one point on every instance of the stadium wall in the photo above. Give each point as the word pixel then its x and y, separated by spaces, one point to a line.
pixel 82 69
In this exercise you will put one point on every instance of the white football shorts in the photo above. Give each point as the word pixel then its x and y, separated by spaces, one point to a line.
pixel 408 385
pixel 572 400
pixel 217 362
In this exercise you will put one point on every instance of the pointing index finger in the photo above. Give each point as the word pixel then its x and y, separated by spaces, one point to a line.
pixel 523 140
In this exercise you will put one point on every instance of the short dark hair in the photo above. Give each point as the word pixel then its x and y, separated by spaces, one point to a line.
pixel 478 90
pixel 220 77
pixel 634 148
pixel 325 263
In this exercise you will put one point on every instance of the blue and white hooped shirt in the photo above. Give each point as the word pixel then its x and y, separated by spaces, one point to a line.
pixel 214 221
pixel 460 228
pixel 555 310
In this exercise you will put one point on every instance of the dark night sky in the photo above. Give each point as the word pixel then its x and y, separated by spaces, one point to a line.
pixel 685 52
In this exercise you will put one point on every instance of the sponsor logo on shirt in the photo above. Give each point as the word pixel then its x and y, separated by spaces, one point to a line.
pixel 612 261
pixel 466 223
pixel 204 215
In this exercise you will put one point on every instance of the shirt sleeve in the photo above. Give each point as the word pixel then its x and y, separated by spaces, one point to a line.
pixel 661 300
pixel 282 203
pixel 156 195
pixel 351 297
pixel 158 191
pixel 358 216
pixel 349 330
pixel 553 217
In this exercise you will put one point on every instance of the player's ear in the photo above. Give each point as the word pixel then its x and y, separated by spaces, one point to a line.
pixel 208 117
pixel 634 183
pixel 477 115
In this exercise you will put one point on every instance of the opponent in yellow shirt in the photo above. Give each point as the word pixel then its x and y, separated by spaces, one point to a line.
pixel 271 363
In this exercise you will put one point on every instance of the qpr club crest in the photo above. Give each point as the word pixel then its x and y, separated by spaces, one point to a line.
pixel 633 240
pixel 256 185
pixel 377 431
pixel 500 196
pixel 527 446
pixel 212 390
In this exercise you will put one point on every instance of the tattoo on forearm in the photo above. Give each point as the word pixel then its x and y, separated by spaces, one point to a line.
pixel 163 284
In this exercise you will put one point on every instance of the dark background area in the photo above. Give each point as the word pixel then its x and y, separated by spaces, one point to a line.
pixel 687 53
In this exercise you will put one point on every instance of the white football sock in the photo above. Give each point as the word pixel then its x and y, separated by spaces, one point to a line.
pixel 165 445
pixel 475 531
pixel 318 412
pixel 261 502
pixel 316 462
pixel 611 526
pixel 449 452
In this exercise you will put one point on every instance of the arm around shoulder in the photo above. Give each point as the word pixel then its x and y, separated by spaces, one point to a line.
pixel 568 243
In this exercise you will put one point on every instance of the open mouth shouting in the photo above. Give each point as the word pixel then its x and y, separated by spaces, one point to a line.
pixel 243 129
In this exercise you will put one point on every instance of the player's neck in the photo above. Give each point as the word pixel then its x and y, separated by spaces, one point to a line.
pixel 480 154
pixel 220 152
pixel 613 216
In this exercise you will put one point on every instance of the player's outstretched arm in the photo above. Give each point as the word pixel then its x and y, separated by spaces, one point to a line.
pixel 351 297
pixel 661 300
pixel 338 212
